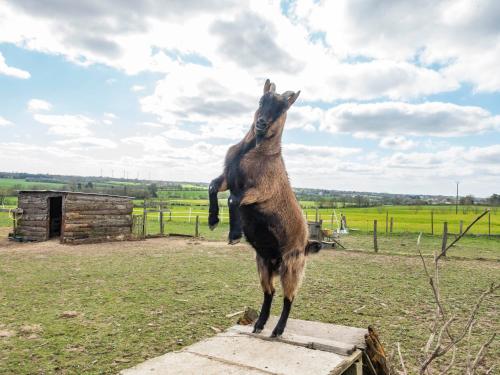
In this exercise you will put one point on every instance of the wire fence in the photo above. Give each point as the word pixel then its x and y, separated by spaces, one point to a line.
pixel 170 218
pixel 193 220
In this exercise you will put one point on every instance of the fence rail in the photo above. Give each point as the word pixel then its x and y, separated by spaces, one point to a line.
pixel 194 220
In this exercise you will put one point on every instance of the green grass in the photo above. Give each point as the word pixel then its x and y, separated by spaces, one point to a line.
pixel 137 300
pixel 407 221
pixel 23 184
pixel 5 221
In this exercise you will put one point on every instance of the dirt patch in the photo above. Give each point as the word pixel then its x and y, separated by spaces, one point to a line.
pixel 4 333
pixel 55 247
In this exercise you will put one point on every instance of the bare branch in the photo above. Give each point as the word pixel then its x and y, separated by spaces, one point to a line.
pixel 443 252
pixel 438 350
pixel 450 365
pixel 402 361
pixel 490 370
pixel 482 352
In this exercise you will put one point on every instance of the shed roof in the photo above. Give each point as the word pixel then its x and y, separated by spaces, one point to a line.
pixel 73 192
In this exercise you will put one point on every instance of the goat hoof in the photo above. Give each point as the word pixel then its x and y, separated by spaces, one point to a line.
pixel 277 332
pixel 257 330
pixel 234 242
pixel 213 221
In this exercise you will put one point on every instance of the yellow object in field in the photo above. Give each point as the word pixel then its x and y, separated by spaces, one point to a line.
pixel 327 232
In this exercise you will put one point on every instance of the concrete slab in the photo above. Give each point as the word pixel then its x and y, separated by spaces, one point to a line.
pixel 238 351
pixel 188 363
pixel 314 335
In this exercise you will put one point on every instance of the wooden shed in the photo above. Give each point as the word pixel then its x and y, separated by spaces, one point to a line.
pixel 74 217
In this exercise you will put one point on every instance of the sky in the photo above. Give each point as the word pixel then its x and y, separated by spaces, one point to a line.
pixel 396 96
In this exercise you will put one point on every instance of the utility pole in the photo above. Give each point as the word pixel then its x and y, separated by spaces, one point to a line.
pixel 456 201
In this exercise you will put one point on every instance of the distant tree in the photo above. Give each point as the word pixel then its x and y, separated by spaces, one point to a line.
pixel 153 190
pixel 89 185
pixel 494 200
pixel 3 195
pixel 467 200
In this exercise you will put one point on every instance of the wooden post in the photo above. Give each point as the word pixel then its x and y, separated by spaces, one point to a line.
pixel 161 221
pixel 392 224
pixel 317 215
pixel 386 222
pixel 432 222
pixel 307 218
pixel 197 227
pixel 145 219
pixel 445 237
pixel 375 245
pixel 170 215
pixel 489 224
pixel 461 226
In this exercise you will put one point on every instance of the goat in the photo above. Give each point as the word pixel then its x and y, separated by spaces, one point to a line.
pixel 263 206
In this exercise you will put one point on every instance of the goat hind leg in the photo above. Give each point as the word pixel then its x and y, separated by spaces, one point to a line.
pixel 235 231
pixel 291 273
pixel 266 280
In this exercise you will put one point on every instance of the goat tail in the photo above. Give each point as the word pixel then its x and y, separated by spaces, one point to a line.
pixel 313 247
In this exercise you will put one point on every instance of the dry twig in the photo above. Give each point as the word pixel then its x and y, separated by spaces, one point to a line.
pixel 437 334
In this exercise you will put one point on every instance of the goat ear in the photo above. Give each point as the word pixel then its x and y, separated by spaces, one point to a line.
pixel 291 97
pixel 267 86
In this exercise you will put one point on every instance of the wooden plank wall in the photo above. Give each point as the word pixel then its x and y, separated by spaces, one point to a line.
pixel 33 225
pixel 94 218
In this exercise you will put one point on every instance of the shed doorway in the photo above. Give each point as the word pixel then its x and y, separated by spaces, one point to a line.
pixel 55 216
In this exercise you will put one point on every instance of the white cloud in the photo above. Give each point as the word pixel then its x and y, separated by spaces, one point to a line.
pixel 484 155
pixel 109 118
pixel 12 72
pixel 84 143
pixel 304 117
pixel 247 40
pixel 4 122
pixel 461 35
pixel 37 105
pixel 151 124
pixel 66 125
pixel 137 88
pixel 110 115
pixel 398 118
pixel 179 134
pixel 308 151
pixel 197 94
pixel 397 143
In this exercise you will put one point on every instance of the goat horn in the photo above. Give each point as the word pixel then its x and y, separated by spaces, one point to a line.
pixel 272 88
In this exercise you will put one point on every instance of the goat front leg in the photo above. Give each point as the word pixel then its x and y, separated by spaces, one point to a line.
pixel 235 231
pixel 291 273
pixel 266 274
pixel 217 185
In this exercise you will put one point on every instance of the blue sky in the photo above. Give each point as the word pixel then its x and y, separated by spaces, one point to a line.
pixel 150 90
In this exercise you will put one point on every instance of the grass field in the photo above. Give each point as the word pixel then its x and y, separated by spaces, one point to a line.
pixel 23 184
pixel 406 219
pixel 136 300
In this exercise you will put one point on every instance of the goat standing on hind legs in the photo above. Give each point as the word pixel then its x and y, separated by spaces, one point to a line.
pixel 263 205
